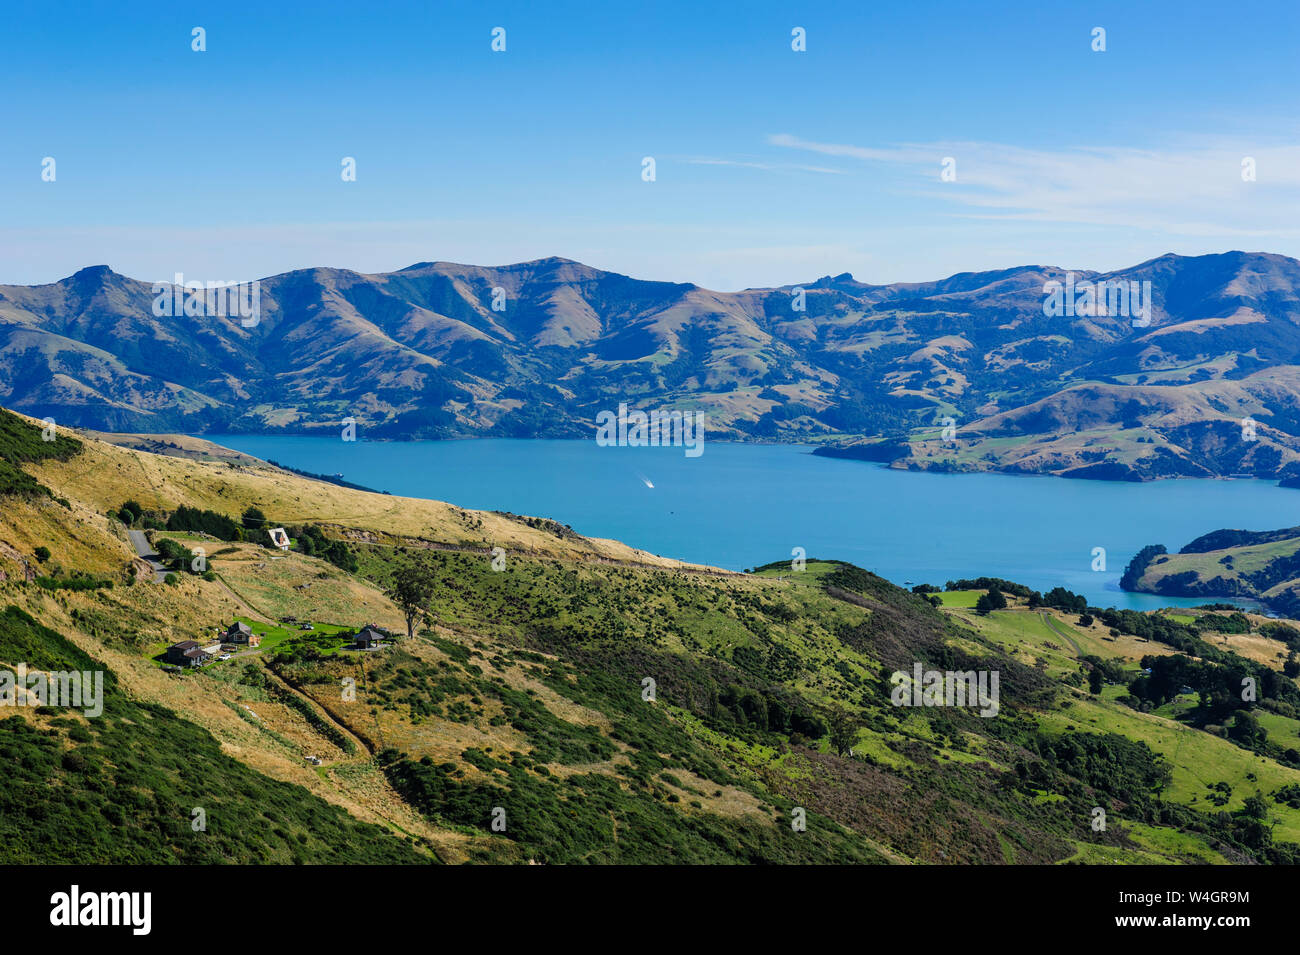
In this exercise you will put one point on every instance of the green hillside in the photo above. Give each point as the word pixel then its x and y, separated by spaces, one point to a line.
pixel 578 706
pixel 124 786
pixel 1260 565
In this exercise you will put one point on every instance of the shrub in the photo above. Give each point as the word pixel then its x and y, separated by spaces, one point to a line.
pixel 72 583
pixel 205 522
pixel 21 442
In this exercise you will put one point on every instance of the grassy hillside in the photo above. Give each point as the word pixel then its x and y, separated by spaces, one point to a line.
pixel 595 703
pixel 1262 565
pixel 124 786
pixel 19 445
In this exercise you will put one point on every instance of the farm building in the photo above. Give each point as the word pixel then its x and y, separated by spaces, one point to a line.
pixel 187 653
pixel 240 632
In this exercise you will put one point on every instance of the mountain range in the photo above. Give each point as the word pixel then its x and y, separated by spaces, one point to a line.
pixel 869 371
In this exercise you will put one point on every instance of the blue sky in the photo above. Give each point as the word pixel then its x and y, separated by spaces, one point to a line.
pixel 772 166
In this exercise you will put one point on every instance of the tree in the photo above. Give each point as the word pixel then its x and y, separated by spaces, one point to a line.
pixel 844 732
pixel 1255 807
pixel 1063 599
pixel 414 584
pixel 312 541
pixel 253 518
pixel 1246 731
pixel 42 554
pixel 1095 680
pixel 992 600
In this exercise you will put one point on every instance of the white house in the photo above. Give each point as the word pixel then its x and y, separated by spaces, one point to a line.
pixel 279 538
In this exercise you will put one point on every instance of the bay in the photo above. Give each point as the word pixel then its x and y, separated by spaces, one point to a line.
pixel 741 505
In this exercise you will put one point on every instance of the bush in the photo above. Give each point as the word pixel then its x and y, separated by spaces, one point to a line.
pixel 205 522
pixel 79 582
pixel 985 583
pixel 21 442
pixel 1062 599
pixel 135 768
pixel 42 554
pixel 314 542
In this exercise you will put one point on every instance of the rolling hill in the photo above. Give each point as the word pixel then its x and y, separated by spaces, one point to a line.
pixel 1260 565
pixel 600 703
pixel 868 371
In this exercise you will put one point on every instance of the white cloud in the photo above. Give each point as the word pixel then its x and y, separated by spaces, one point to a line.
pixel 765 166
pixel 1194 188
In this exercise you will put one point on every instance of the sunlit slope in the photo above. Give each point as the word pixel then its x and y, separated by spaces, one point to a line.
pixel 104 475
pixel 769 695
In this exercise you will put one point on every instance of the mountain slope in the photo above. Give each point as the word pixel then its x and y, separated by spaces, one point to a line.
pixel 601 704
pixel 539 348
pixel 1263 565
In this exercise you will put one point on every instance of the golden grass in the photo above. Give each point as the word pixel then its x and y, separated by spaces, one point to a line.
pixel 280 585
pixel 104 476
pixel 353 783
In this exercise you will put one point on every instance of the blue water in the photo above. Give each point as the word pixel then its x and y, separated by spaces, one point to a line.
pixel 742 505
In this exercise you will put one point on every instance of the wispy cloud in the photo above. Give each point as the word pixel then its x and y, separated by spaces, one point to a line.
pixel 1194 188
pixel 766 166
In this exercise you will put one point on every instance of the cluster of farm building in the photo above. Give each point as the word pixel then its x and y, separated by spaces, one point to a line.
pixel 239 637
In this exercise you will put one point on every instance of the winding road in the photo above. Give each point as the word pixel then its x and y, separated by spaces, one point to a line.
pixel 1051 625
pixel 141 544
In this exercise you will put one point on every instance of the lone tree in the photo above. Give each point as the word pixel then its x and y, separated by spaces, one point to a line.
pixel 993 600
pixel 844 731
pixel 413 587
